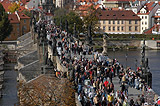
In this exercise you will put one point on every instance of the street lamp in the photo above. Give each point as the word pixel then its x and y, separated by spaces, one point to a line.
pixel 126 55
pixel 114 51
pixel 135 64
pixel 126 59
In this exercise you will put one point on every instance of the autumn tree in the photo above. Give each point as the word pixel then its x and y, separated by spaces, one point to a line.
pixel 47 91
pixel 14 7
pixel 5 26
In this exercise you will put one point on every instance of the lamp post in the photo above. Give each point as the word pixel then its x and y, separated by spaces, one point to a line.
pixel 114 51
pixel 61 23
pixel 74 32
pixel 126 55
pixel 126 59
pixel 135 64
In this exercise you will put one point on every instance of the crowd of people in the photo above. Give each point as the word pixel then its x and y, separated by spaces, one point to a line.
pixel 93 76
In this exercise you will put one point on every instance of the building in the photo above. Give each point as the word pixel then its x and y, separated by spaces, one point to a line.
pixel 119 22
pixel 84 2
pixel 16 27
pixel 47 5
pixel 156 17
pixel 146 13
pixel 20 23
pixel 32 4
pixel 62 3
pixel 135 6
pixel 116 3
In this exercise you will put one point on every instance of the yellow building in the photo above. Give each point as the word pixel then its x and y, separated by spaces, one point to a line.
pixel 20 23
pixel 118 22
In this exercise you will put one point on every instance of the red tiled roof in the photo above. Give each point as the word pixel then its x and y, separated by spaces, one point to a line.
pixel 115 8
pixel 150 30
pixel 117 15
pixel 23 16
pixel 49 14
pixel 13 18
pixel 24 1
pixel 149 7
pixel 40 8
pixel 120 0
pixel 6 4
pixel 87 0
pixel 156 16
pixel 21 8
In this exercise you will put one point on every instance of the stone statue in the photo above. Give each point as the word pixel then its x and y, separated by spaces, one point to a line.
pixel 104 53
pixel 143 54
pixel 89 36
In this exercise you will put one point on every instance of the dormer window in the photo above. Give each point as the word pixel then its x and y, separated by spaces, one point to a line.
pixel 122 14
pixel 114 14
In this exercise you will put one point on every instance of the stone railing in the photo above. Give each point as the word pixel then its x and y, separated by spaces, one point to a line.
pixel 60 66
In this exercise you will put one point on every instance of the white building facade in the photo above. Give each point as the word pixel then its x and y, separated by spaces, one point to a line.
pixel 32 4
pixel 146 13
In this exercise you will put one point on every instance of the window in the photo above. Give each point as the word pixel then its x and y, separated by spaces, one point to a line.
pixel 109 28
pixel 98 28
pixel 24 21
pixel 113 22
pixel 17 29
pixel 142 17
pixel 142 28
pixel 130 28
pixel 136 28
pixel 145 17
pixel 129 21
pixel 145 23
pixel 109 22
pixel 118 28
pixel 142 23
pixel 113 28
pixel 104 28
pixel 122 22
pixel 24 28
pixel 118 22
pixel 122 28
pixel 104 22
pixel 136 22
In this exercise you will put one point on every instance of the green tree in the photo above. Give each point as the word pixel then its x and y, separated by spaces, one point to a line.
pixel 14 7
pixel 91 18
pixel 5 26
pixel 71 17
